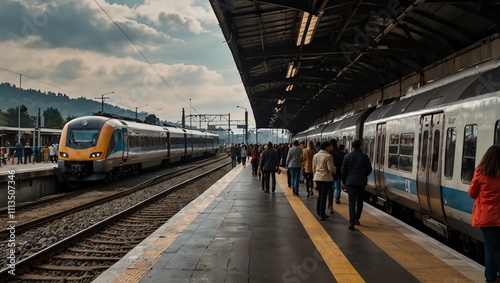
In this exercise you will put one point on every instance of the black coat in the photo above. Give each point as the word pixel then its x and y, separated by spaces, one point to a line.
pixel 269 160
pixel 355 168
pixel 338 158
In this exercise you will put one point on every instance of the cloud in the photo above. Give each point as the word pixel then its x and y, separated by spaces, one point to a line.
pixel 76 49
pixel 79 25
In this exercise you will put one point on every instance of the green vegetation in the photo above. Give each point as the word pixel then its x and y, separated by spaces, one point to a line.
pixel 57 108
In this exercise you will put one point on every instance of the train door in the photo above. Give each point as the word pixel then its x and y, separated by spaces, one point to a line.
pixel 168 145
pixel 124 140
pixel 380 157
pixel 429 166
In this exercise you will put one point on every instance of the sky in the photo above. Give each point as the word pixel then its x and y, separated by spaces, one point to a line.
pixel 74 47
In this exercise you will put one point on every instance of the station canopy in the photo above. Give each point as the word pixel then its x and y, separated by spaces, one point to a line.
pixel 300 60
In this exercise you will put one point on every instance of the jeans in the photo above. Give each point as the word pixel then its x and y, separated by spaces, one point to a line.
pixel 356 194
pixel 491 237
pixel 309 182
pixel 330 197
pixel 337 186
pixel 294 178
pixel 323 188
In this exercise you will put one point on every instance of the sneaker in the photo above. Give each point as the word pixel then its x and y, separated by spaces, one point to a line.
pixel 337 201
pixel 307 194
pixel 357 222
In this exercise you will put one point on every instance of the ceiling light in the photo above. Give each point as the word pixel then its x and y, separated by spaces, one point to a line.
pixel 289 87
pixel 304 35
pixel 292 70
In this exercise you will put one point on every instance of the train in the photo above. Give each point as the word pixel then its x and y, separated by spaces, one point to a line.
pixel 424 147
pixel 98 147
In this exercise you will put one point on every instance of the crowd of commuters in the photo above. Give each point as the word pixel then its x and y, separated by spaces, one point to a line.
pixel 22 152
pixel 328 168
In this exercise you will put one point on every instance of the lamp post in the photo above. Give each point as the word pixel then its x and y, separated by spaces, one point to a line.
pixel 103 98
pixel 138 108
pixel 246 124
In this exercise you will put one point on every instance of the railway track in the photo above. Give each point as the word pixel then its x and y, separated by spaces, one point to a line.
pixel 41 253
pixel 21 227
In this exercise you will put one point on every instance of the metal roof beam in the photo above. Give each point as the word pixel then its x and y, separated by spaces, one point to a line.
pixel 301 5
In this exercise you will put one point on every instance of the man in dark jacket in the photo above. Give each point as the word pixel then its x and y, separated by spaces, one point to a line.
pixel 338 158
pixel 269 161
pixel 355 169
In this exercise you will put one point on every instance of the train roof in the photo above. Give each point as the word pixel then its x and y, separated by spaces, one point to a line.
pixel 459 87
pixel 137 125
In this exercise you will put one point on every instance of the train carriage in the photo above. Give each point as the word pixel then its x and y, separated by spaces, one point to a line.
pixel 424 147
pixel 95 147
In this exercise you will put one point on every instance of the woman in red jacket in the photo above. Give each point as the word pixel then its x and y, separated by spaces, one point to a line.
pixel 485 190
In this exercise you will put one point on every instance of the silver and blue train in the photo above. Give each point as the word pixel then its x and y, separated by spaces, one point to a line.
pixel 425 145
pixel 97 147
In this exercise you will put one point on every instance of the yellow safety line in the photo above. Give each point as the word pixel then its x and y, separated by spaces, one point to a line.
pixel 139 268
pixel 339 265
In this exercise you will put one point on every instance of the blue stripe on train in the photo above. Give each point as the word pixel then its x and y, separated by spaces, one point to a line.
pixel 452 198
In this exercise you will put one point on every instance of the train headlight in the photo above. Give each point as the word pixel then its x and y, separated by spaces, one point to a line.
pixel 64 154
pixel 95 154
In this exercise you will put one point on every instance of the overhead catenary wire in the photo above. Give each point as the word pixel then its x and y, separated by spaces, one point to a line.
pixel 143 56
pixel 40 81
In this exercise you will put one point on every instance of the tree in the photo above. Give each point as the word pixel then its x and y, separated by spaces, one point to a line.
pixel 150 119
pixel 53 118
pixel 11 118
pixel 69 118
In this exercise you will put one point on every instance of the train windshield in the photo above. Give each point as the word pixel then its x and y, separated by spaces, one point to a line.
pixel 82 138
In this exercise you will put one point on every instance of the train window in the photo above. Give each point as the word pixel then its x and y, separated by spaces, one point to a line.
pixel 423 159
pixel 406 152
pixel 372 147
pixel 393 151
pixel 82 138
pixel 435 150
pixel 449 158
pixel 497 133
pixel 469 152
pixel 368 146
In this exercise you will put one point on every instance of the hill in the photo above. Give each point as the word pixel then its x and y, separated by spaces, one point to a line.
pixel 11 96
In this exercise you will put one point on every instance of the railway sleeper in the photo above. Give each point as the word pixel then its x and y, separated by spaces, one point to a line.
pixel 112 247
pixel 36 277
pixel 93 258
pixel 71 268
pixel 77 250
pixel 114 237
pixel 110 242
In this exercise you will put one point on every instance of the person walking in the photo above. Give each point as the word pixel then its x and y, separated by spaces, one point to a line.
pixel 269 162
pixel 355 169
pixel 244 154
pixel 307 157
pixel 255 155
pixel 485 190
pixel 324 169
pixel 232 153
pixel 338 158
pixel 294 164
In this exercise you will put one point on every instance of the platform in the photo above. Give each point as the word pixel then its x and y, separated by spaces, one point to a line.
pixel 235 232
pixel 29 167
